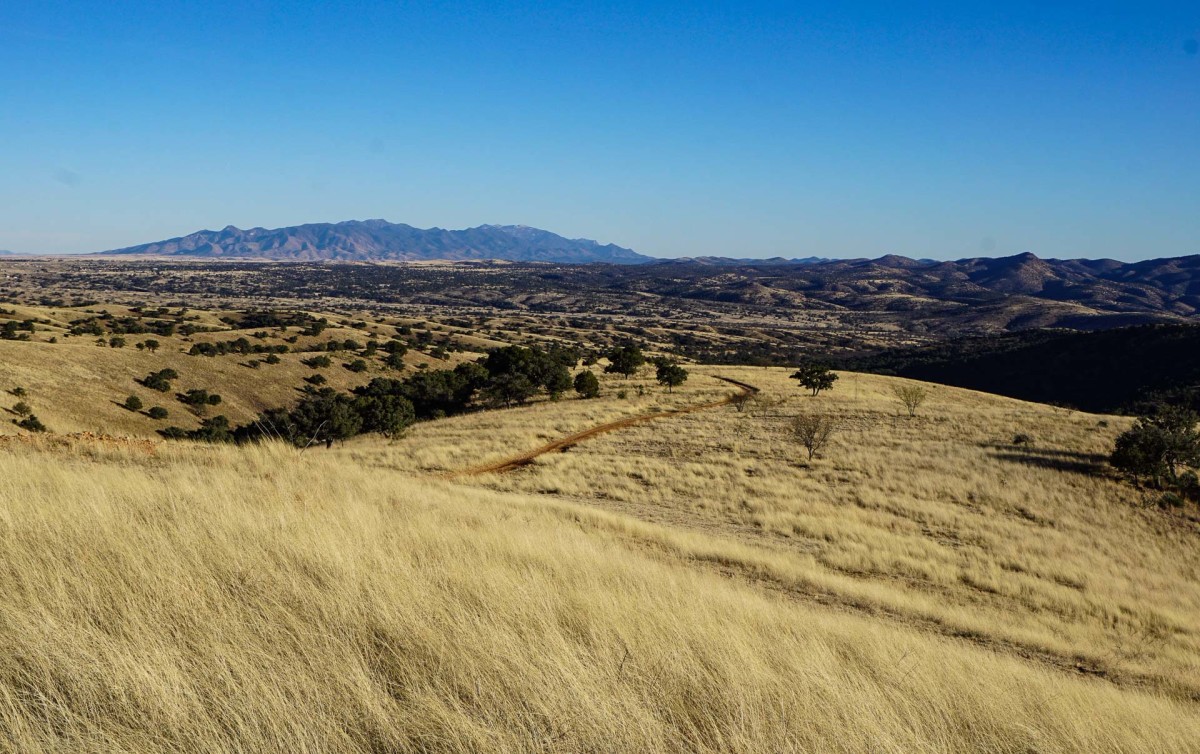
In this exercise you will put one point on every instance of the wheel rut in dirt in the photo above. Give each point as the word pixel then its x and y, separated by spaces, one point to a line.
pixel 565 443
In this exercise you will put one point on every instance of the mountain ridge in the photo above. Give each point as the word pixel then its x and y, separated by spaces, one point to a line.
pixel 380 240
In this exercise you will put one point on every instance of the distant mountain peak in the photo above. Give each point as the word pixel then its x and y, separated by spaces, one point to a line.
pixel 380 240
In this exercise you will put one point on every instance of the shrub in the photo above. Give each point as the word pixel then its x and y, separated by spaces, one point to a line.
pixel 31 424
pixel 133 403
pixel 815 377
pixel 318 362
pixel 910 396
pixel 670 374
pixel 1022 439
pixel 22 409
pixel 158 413
pixel 160 380
pixel 1157 446
pixel 356 366
pixel 315 379
pixel 587 385
pixel 625 361
pixel 814 432
pixel 272 359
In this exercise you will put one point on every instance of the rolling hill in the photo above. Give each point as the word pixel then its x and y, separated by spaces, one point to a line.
pixel 375 240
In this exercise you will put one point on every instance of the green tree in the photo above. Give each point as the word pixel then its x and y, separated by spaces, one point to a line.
pixel 22 409
pixel 815 377
pixel 1159 446
pixel 587 385
pixel 31 424
pixel 670 374
pixel 326 416
pixel 388 414
pixel 133 403
pixel 625 360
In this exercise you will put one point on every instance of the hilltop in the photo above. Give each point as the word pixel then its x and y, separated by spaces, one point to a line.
pixel 361 240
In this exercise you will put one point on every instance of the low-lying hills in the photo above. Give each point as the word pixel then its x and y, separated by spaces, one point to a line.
pixel 361 240
pixel 950 298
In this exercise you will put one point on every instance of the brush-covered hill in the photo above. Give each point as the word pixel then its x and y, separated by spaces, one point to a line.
pixel 375 240
pixel 1115 370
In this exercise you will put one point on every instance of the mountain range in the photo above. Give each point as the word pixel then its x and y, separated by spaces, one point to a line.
pixel 379 240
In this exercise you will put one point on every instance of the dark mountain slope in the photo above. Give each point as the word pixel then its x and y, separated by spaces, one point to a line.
pixel 377 240
pixel 1109 371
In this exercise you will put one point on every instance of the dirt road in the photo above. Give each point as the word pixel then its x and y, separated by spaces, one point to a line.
pixel 563 443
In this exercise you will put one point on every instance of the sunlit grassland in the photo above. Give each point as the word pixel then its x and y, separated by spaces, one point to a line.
pixel 261 599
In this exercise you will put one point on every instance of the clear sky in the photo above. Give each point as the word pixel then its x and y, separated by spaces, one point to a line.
pixel 675 128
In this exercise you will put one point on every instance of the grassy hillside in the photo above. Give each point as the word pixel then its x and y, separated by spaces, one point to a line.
pixel 684 585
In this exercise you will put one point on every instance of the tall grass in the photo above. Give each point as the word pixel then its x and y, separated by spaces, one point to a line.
pixel 215 599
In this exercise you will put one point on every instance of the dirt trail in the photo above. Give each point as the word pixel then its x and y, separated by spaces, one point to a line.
pixel 563 443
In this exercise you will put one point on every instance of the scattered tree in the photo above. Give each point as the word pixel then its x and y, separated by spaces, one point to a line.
pixel 910 396
pixel 133 403
pixel 1159 446
pixel 22 409
pixel 625 361
pixel 31 424
pixel 587 385
pixel 670 374
pixel 815 377
pixel 158 413
pixel 813 431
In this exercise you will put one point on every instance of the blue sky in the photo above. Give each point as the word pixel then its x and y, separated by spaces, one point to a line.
pixel 740 129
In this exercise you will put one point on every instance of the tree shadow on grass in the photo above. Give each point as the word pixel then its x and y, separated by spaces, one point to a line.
pixel 1092 464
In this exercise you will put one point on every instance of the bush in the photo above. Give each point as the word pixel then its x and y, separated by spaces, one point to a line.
pixel 158 413
pixel 813 431
pixel 133 403
pixel 670 374
pixel 31 424
pixel 1022 439
pixel 587 385
pixel 815 377
pixel 22 409
pixel 318 362
pixel 272 359
pixel 625 361
pixel 357 366
pixel 1157 446
pixel 160 380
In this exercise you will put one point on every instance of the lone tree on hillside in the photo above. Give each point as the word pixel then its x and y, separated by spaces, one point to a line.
pixel 587 385
pixel 813 431
pixel 670 374
pixel 910 396
pixel 815 377
pixel 1158 446
pixel 625 361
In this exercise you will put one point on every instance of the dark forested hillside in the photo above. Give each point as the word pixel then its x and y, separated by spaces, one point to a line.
pixel 1113 370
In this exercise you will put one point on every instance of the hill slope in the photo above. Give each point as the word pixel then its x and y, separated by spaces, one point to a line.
pixel 356 240
pixel 1114 370
pixel 197 598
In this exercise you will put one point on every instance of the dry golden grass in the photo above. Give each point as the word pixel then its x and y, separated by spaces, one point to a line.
pixel 75 385
pixel 937 522
pixel 221 599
